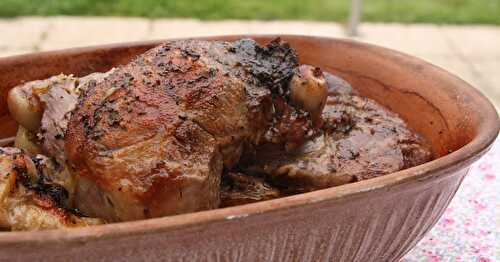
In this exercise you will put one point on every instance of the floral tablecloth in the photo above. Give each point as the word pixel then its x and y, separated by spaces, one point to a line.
pixel 470 228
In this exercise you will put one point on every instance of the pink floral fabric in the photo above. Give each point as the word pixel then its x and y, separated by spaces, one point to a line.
pixel 470 227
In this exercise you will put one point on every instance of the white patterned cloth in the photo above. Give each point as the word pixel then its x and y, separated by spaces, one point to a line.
pixel 470 227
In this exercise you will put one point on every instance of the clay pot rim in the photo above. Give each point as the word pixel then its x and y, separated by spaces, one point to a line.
pixel 486 134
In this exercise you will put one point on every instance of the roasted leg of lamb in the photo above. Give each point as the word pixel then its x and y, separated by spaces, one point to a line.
pixel 187 126
pixel 152 137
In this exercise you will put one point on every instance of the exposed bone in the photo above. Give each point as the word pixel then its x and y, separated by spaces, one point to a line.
pixel 309 90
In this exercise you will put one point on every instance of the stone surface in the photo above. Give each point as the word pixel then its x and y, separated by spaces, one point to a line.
pixel 22 33
pixel 16 51
pixel 167 28
pixel 489 71
pixel 412 39
pixel 82 31
pixel 474 42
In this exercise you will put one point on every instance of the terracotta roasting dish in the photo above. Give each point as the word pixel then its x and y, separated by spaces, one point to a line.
pixel 375 220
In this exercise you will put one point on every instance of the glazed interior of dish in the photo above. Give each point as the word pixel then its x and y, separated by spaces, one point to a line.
pixel 189 126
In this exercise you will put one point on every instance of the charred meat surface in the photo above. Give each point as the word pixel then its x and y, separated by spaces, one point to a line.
pixel 29 197
pixel 360 140
pixel 238 189
pixel 50 102
pixel 153 137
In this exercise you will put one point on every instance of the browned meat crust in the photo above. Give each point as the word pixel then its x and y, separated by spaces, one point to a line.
pixel 153 137
pixel 360 140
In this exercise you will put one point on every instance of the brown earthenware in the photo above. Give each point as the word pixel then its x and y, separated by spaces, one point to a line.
pixel 374 220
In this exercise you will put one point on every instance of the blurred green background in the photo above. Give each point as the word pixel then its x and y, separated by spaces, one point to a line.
pixel 406 11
